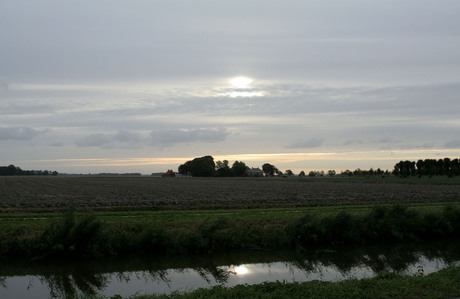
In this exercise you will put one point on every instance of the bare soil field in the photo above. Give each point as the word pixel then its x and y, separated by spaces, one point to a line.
pixel 55 193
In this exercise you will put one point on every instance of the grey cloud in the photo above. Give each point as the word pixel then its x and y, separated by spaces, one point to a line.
pixel 381 103
pixel 452 144
pixel 97 140
pixel 56 144
pixel 3 85
pixel 205 38
pixel 158 137
pixel 18 133
pixel 26 109
pixel 417 146
pixel 350 142
pixel 427 145
pixel 295 99
pixel 170 137
pixel 385 140
pixel 122 139
pixel 126 136
pixel 310 143
pixel 350 72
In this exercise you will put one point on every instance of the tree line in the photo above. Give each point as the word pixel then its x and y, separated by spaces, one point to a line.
pixel 13 170
pixel 428 167
pixel 206 167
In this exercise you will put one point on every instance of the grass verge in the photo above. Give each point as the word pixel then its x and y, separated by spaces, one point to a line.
pixel 92 235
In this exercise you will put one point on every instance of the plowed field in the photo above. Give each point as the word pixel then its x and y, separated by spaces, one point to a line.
pixel 51 193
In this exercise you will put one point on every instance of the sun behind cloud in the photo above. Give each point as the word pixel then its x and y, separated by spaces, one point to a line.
pixel 241 88
pixel 241 82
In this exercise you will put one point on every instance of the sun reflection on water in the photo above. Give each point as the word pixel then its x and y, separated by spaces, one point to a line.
pixel 241 270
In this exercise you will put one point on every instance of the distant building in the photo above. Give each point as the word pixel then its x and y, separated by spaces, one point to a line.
pixel 169 174
pixel 254 172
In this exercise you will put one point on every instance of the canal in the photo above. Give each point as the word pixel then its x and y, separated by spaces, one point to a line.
pixel 165 274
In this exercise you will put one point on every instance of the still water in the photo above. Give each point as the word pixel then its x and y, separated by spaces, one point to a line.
pixel 165 274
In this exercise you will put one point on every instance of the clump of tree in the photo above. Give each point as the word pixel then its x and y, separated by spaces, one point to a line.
pixel 316 173
pixel 222 169
pixel 13 170
pixel 428 167
pixel 404 169
pixel 200 167
pixel 269 169
pixel 238 169
pixel 364 173
pixel 205 167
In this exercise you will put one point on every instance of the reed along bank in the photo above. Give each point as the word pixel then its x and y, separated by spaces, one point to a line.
pixel 89 235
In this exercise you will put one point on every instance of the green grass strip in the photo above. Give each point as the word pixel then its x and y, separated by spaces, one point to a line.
pixel 93 235
pixel 442 284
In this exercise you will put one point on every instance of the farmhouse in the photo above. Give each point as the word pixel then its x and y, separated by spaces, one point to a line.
pixel 169 173
pixel 254 172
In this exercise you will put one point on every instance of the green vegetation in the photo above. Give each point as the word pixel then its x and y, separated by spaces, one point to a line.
pixel 12 170
pixel 442 284
pixel 204 166
pixel 269 169
pixel 117 233
pixel 187 215
pixel 428 167
pixel 200 167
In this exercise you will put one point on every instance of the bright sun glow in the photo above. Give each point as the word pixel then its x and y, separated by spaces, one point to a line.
pixel 241 88
pixel 240 270
pixel 241 82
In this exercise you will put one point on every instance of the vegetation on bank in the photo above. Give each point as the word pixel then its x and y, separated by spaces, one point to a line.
pixel 88 236
pixel 442 284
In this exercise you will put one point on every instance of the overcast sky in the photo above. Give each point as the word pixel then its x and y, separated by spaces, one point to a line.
pixel 143 86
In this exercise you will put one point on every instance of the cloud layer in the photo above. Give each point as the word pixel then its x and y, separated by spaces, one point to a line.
pixel 154 79
pixel 18 133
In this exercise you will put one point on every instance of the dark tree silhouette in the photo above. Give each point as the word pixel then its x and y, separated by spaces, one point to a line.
pixel 202 167
pixel 222 168
pixel 239 168
pixel 269 169
pixel 184 169
pixel 13 170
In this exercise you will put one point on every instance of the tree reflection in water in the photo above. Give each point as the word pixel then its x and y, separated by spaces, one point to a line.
pixel 67 279
pixel 219 274
pixel 394 257
pixel 67 283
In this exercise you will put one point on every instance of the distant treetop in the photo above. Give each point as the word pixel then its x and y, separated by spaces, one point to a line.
pixel 13 170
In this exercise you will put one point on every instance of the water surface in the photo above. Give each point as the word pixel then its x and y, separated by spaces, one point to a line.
pixel 165 274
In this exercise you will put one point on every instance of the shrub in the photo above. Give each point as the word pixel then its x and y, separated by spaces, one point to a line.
pixel 68 236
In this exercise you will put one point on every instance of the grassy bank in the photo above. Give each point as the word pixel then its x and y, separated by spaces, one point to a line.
pixel 116 233
pixel 442 284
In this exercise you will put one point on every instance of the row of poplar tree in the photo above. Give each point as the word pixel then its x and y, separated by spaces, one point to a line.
pixel 428 167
